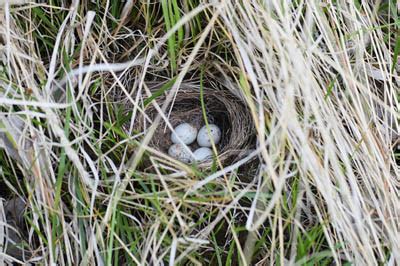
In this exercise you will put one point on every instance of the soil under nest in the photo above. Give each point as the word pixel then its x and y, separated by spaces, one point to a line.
pixel 222 108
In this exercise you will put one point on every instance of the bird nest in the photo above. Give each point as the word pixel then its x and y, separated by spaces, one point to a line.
pixel 222 108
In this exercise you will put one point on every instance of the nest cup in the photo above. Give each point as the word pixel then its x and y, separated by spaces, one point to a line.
pixel 222 108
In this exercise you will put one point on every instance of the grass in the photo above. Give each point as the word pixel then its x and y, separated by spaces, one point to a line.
pixel 320 81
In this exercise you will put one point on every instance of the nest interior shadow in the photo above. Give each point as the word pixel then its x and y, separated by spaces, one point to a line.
pixel 221 108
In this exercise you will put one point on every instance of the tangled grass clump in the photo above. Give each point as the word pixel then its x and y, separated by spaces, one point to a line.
pixel 307 96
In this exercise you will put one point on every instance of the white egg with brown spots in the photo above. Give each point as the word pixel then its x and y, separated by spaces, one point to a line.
pixel 206 134
pixel 184 133
pixel 202 154
pixel 180 152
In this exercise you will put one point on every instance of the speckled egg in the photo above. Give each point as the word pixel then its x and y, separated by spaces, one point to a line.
pixel 185 132
pixel 204 138
pixel 180 152
pixel 202 154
